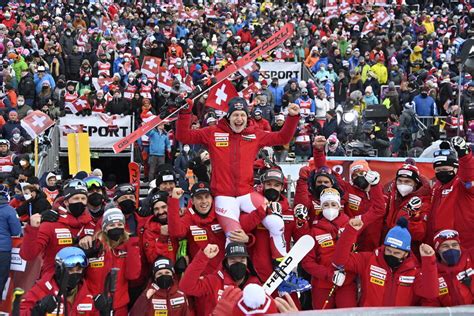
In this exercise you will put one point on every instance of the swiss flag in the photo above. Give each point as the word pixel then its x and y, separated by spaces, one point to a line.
pixel 247 92
pixel 78 105
pixel 354 18
pixel 187 83
pixel 165 79
pixel 246 70
pixel 382 16
pixel 330 5
pixel 36 123
pixel 368 27
pixel 333 13
pixel 344 7
pixel 151 66
pixel 220 95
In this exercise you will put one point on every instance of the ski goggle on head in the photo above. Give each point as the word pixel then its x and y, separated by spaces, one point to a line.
pixel 447 234
pixel 94 182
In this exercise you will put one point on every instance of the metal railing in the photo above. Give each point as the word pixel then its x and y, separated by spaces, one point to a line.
pixel 49 155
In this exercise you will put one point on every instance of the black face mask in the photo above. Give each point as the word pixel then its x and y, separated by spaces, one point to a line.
pixel 164 281
pixel 237 271
pixel 95 199
pixel 73 280
pixel 445 176
pixel 392 261
pixel 271 194
pixel 127 207
pixel 76 209
pixel 319 189
pixel 361 182
pixel 115 233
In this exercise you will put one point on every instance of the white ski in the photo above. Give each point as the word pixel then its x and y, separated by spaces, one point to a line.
pixel 291 260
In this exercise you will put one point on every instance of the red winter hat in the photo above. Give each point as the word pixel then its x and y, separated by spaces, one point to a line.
pixel 264 82
pixel 254 301
pixel 447 234
pixel 409 171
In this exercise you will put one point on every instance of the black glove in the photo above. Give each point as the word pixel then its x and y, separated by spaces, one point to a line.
pixel 460 146
pixel 49 216
pixel 47 305
pixel 102 303
pixel 95 250
pixel 144 211
pixel 180 265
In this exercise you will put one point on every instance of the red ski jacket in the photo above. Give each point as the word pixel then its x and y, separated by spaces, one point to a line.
pixel 83 303
pixel 207 289
pixel 199 231
pixel 170 302
pixel 126 257
pixel 455 285
pixel 396 208
pixel 451 205
pixel 49 238
pixel 318 262
pixel 232 154
pixel 155 244
pixel 380 285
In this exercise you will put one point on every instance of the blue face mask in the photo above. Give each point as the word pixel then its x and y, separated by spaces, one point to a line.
pixel 451 256
pixel 19 197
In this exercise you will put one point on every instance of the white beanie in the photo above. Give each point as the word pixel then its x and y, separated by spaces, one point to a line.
pixel 331 195
pixel 303 84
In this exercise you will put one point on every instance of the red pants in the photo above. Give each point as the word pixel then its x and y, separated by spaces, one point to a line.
pixel 345 296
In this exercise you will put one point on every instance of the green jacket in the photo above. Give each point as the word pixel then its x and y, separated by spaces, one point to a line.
pixel 18 67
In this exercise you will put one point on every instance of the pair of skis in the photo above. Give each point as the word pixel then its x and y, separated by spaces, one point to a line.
pixel 276 39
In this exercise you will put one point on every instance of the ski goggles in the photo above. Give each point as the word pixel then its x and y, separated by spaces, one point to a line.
pixel 442 152
pixel 76 184
pixel 73 260
pixel 126 189
pixel 94 181
pixel 447 234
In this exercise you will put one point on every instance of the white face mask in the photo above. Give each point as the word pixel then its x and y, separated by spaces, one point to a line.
pixel 22 163
pixel 404 189
pixel 330 213
pixel 186 149
pixel 27 196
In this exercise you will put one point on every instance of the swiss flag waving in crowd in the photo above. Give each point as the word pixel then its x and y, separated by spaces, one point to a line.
pixel 78 105
pixel 151 66
pixel 220 95
pixel 382 16
pixel 247 70
pixel 36 123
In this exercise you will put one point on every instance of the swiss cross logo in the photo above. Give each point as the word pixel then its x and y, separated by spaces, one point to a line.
pixel 39 120
pixel 151 64
pixel 36 123
pixel 221 95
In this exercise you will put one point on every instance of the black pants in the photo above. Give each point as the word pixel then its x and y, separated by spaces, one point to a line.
pixel 5 259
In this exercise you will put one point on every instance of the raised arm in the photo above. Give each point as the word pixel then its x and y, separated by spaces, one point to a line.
pixel 186 135
pixel 285 135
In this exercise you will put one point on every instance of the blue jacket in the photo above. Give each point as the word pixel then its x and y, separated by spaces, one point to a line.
pixel 322 60
pixel 306 98
pixel 39 82
pixel 159 143
pixel 425 106
pixel 9 225
pixel 277 94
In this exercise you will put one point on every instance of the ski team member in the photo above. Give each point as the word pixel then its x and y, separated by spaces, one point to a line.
pixel 233 145
pixel 237 270
pixel 199 225
pixel 162 296
pixel 48 237
pixel 97 197
pixel 390 275
pixel 453 193
pixel 41 299
pixel 156 238
pixel 455 269
pixel 114 248
pixel 326 231
pixel 409 197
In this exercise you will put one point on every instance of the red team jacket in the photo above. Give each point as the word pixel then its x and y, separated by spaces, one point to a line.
pixel 232 154
pixel 197 230
pixel 318 262
pixel 83 301
pixel 126 257
pixel 170 302
pixel 155 244
pixel 452 290
pixel 49 238
pixel 451 205
pixel 207 289
pixel 380 285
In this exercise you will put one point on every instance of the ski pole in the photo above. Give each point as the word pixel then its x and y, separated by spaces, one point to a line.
pixel 17 294
pixel 329 296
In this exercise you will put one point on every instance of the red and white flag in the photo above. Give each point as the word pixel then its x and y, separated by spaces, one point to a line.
pixel 382 3
pixel 187 83
pixel 331 14
pixel 68 129
pixel 330 5
pixel 382 16
pixel 368 27
pixel 220 95
pixel 151 66
pixel 36 123
pixel 247 92
pixel 246 70
pixel 78 105
pixel 354 18
pixel 344 7
pixel 165 80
